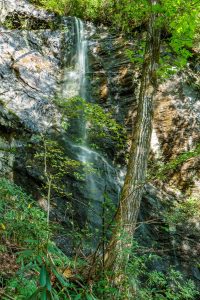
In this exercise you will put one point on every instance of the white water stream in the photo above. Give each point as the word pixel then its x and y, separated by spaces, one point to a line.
pixel 75 84
pixel 3 11
pixel 75 71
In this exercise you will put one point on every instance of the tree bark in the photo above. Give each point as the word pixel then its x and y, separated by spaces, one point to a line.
pixel 119 247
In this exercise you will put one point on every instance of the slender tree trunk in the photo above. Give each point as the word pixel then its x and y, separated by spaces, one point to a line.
pixel 119 247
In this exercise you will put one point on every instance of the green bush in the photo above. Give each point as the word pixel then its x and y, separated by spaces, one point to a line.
pixel 20 218
pixel 44 272
pixel 24 238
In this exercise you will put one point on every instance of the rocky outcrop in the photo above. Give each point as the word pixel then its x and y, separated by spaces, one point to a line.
pixel 29 71
pixel 113 78
pixel 20 13
pixel 177 123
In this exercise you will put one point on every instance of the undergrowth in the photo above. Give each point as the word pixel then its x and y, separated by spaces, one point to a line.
pixel 33 267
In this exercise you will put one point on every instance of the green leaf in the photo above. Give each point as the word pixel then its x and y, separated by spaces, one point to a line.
pixel 44 295
pixel 35 294
pixel 54 295
pixel 78 297
pixel 90 297
pixel 48 282
pixel 43 276
pixel 26 253
pixel 61 279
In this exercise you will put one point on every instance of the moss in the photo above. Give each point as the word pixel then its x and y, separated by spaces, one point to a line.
pixel 9 120
pixel 22 21
pixel 2 103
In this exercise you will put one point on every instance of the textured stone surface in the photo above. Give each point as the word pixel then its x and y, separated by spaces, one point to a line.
pixel 177 127
pixel 113 78
pixel 22 7
pixel 28 76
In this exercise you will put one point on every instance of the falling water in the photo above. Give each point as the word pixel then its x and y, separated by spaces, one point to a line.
pixel 75 69
pixel 3 11
pixel 104 179
pixel 172 233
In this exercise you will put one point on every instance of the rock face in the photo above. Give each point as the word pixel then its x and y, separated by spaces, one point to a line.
pixel 34 57
pixel 177 123
pixel 28 76
pixel 16 10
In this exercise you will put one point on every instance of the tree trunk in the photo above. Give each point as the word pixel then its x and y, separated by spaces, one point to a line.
pixel 119 247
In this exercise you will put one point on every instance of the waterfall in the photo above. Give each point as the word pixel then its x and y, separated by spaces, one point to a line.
pixel 75 69
pixel 105 177
pixel 3 12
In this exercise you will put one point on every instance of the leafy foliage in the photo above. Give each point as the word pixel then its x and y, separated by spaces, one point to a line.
pixel 141 284
pixel 15 209
pixel 25 235
pixel 163 170
pixel 54 164
pixel 44 272
pixel 100 124
pixel 76 7
pixel 183 212
pixel 171 286
pixel 21 222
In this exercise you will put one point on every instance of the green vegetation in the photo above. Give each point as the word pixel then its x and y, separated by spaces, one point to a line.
pixel 22 223
pixel 188 211
pixel 16 207
pixel 162 170
pixel 180 18
pixel 32 267
pixel 178 21
pixel 101 125
pixel 85 9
